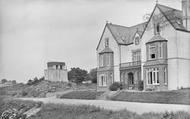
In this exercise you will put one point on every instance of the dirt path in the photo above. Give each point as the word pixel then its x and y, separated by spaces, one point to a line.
pixel 117 105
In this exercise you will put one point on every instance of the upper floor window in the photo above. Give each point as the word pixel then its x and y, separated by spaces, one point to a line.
pixel 105 59
pixel 160 50
pixel 107 42
pixel 137 40
pixel 136 55
pixel 152 51
pixel 157 28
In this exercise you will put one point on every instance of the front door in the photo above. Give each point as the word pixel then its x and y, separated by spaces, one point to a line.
pixel 130 80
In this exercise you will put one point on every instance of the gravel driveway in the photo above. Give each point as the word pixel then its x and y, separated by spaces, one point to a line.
pixel 117 105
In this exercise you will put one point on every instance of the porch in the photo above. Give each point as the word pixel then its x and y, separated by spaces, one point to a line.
pixel 130 74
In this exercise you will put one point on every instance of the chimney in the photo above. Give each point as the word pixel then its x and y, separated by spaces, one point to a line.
pixel 186 14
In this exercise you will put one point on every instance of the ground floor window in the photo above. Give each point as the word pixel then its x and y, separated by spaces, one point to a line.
pixel 153 76
pixel 102 80
pixel 165 76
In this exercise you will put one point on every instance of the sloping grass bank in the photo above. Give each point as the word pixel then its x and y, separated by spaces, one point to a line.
pixel 167 97
pixel 53 111
pixel 60 111
pixel 86 94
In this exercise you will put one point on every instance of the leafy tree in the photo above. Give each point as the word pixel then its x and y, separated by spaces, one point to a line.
pixel 30 82
pixel 92 75
pixel 35 80
pixel 42 78
pixel 77 75
pixel 13 81
pixel 3 80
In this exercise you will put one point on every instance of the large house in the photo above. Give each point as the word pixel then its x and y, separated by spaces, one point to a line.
pixel 156 52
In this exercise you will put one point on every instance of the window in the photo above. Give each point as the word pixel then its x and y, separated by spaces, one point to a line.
pixel 101 60
pixel 137 40
pixel 56 66
pixel 107 42
pixel 153 76
pixel 111 77
pixel 157 28
pixel 152 51
pixel 105 59
pixel 165 76
pixel 136 55
pixel 61 67
pixel 160 49
pixel 102 80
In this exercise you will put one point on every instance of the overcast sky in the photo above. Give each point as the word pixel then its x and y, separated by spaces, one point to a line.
pixel 33 32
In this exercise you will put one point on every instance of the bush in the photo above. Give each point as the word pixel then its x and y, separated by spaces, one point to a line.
pixel 115 86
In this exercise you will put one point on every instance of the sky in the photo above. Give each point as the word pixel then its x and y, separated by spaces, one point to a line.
pixel 34 32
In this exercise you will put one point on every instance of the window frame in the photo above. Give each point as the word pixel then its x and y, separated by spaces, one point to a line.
pixel 152 48
pixel 102 80
pixel 153 76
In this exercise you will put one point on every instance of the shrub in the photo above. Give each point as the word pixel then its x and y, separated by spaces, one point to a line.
pixel 115 86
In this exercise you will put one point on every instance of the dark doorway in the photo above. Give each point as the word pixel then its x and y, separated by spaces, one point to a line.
pixel 131 78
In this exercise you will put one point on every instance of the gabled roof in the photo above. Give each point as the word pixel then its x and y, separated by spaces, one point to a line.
pixel 124 35
pixel 156 38
pixel 174 16
pixel 106 50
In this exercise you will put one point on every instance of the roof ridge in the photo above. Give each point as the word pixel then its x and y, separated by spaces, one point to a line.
pixel 169 7
pixel 138 24
pixel 117 25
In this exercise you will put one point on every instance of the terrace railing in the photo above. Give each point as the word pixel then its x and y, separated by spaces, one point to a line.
pixel 130 64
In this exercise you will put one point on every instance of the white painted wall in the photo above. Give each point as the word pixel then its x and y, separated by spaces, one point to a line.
pixel 170 34
pixel 56 75
pixel 126 52
pixel 115 48
pixel 183 42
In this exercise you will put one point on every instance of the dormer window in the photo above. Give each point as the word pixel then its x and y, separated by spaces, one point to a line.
pixel 107 42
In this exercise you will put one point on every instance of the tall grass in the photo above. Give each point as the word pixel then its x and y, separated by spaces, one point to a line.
pixel 55 111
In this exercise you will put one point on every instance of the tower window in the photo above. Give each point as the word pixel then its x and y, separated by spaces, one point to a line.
pixel 152 56
pixel 152 52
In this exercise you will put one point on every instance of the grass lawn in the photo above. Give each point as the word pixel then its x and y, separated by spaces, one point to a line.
pixel 168 97
pixel 53 111
pixel 60 111
pixel 82 95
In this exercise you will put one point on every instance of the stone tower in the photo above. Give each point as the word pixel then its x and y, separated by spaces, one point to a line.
pixel 56 71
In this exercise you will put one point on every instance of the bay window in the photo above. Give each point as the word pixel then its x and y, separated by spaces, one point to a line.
pixel 153 76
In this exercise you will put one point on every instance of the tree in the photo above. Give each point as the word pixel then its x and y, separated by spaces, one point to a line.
pixel 13 81
pixel 3 80
pixel 42 78
pixel 30 82
pixel 92 75
pixel 77 75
